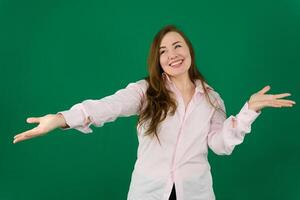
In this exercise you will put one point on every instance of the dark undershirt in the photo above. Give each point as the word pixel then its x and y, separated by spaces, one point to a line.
pixel 173 193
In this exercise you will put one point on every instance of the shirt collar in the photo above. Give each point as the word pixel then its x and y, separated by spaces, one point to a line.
pixel 197 82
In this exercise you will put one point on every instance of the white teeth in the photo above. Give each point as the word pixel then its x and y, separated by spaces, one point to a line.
pixel 176 63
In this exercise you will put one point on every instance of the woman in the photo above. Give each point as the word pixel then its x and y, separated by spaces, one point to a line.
pixel 180 116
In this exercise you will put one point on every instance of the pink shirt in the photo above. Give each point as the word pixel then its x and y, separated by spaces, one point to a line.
pixel 185 138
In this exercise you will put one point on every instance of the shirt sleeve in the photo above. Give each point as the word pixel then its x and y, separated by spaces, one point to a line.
pixel 125 102
pixel 223 136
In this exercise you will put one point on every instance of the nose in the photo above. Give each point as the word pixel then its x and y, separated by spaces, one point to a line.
pixel 172 56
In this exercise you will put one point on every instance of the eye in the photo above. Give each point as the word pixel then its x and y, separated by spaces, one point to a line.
pixel 161 52
pixel 177 46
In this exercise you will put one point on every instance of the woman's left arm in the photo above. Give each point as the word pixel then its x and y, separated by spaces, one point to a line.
pixel 225 134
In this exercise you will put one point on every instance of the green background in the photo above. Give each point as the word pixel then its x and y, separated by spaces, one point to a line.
pixel 54 54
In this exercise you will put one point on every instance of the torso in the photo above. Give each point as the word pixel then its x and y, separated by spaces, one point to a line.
pixel 187 97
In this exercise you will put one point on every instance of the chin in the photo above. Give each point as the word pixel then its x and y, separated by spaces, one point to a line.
pixel 174 74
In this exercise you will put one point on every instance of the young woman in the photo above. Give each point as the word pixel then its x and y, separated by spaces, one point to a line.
pixel 180 116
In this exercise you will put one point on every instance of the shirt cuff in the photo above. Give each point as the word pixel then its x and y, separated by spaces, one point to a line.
pixel 74 118
pixel 246 117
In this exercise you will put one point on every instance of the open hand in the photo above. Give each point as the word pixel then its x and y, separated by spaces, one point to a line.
pixel 46 124
pixel 260 100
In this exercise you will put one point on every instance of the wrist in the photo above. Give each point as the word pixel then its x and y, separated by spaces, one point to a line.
pixel 250 107
pixel 61 121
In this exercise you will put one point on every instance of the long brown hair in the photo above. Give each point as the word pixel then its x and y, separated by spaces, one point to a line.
pixel 158 98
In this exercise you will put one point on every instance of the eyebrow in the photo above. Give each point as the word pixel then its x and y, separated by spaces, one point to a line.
pixel 172 44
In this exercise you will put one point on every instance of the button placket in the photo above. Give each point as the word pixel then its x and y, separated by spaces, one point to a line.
pixel 186 111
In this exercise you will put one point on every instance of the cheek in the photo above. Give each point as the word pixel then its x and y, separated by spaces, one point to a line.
pixel 163 61
pixel 185 52
pixel 188 60
pixel 187 56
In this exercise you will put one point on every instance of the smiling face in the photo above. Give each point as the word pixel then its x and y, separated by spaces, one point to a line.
pixel 175 58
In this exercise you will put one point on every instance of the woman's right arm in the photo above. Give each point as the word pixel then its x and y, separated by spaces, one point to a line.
pixel 125 102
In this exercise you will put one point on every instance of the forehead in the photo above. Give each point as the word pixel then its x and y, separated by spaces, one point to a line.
pixel 171 37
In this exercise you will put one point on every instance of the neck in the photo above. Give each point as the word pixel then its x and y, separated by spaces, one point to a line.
pixel 183 83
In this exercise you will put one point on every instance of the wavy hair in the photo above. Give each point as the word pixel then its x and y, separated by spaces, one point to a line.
pixel 159 101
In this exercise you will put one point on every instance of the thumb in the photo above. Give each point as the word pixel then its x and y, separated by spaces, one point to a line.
pixel 33 120
pixel 265 89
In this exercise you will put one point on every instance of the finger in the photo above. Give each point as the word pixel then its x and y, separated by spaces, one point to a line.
pixel 265 89
pixel 278 96
pixel 284 105
pixel 286 101
pixel 20 139
pixel 277 103
pixel 27 133
pixel 272 97
pixel 273 104
pixel 33 120
pixel 25 137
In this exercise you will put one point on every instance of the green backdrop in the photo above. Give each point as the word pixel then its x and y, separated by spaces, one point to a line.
pixel 54 54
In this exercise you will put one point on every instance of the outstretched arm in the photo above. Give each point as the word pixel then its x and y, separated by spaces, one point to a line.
pixel 225 134
pixel 125 102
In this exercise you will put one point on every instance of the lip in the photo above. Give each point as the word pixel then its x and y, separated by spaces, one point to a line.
pixel 176 61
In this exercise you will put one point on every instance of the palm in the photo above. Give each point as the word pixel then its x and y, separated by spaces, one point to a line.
pixel 46 124
pixel 260 100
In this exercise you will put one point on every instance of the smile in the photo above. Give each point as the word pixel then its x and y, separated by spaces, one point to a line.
pixel 176 63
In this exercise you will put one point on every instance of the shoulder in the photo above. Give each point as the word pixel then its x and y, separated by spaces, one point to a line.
pixel 142 84
pixel 139 86
pixel 214 95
